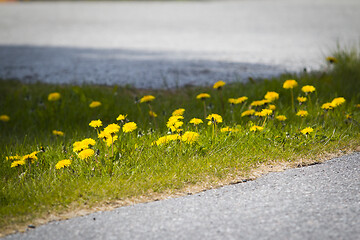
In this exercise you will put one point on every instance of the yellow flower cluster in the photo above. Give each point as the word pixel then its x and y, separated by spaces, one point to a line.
pixel 302 99
pixel 264 113
pixel 178 112
pixel 256 128
pixel 196 121
pixel 121 117
pixel 58 133
pixel 307 130
pixel 190 137
pixel 129 127
pixel 23 159
pixel 302 113
pixel 248 113
pixel 281 118
pixel 308 89
pixel 237 100
pixel 174 123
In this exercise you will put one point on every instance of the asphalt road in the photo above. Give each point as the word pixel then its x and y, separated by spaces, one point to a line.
pixel 168 44
pixel 316 202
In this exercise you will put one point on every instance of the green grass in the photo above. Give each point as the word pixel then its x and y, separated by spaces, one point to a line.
pixel 137 167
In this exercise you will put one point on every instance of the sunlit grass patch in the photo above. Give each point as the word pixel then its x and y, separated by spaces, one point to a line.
pixel 64 145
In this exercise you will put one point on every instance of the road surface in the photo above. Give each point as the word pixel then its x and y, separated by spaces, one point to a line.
pixel 316 202
pixel 168 44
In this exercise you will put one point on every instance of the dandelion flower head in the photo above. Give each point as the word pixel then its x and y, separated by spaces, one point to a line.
pixel 4 118
pixel 147 98
pixel 12 158
pixel 95 104
pixel 178 112
pixel 203 96
pixel 86 154
pixel 17 163
pixel 121 117
pixel 112 129
pixel 327 106
pixel 95 123
pixel 152 114
pixel 302 113
pixel 289 84
pixel 190 137
pixel 256 128
pixel 259 103
pixel 264 112
pixel 307 130
pixel 338 101
pixel 63 163
pixel 219 84
pixel 110 140
pixel 54 96
pixel 248 113
pixel 58 133
pixel 214 118
pixel 196 121
pixel 281 118
pixel 331 59
pixel 308 89
pixel 271 96
pixel 302 99
pixel 129 127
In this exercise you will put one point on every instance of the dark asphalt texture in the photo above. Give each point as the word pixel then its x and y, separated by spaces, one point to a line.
pixel 316 202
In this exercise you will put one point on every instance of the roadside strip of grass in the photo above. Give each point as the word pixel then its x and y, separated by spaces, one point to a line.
pixel 149 162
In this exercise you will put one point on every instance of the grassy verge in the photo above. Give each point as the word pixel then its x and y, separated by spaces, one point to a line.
pixel 151 158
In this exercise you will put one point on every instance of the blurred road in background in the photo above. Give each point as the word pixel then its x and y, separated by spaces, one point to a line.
pixel 169 44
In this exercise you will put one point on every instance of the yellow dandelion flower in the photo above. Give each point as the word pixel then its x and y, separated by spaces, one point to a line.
pixel 62 164
pixel 248 113
pixel 288 84
pixel 168 138
pixel 17 163
pixel 86 154
pixel 272 107
pixel 308 89
pixel 79 146
pixel 302 99
pixel 264 112
pixel 196 121
pixel 12 158
pixel 327 106
pixel 152 114
pixel 104 135
pixel 95 104
pixel 95 123
pixel 121 117
pixel 302 113
pixel 214 118
pixel 178 112
pixel 112 129
pixel 338 101
pixel 256 128
pixel 281 118
pixel 54 96
pixel 147 98
pixel 110 140
pixel 203 96
pixel 4 118
pixel 331 59
pixel 357 105
pixel 307 130
pixel 348 116
pixel 226 129
pixel 232 100
pixel 129 127
pixel 89 141
pixel 57 133
pixel 241 99
pixel 190 137
pixel 219 84
pixel 29 157
pixel 271 96
pixel 259 103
